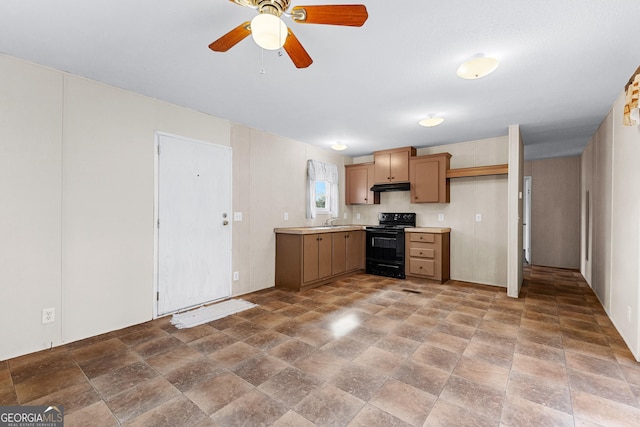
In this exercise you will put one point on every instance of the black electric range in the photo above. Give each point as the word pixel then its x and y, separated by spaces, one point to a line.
pixel 385 244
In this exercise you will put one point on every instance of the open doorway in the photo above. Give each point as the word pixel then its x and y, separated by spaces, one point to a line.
pixel 526 221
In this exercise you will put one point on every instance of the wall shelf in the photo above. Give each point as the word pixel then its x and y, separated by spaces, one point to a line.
pixel 478 171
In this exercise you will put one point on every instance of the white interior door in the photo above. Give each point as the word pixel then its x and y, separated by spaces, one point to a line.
pixel 194 228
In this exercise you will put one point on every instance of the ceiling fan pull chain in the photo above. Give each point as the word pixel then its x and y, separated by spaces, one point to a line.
pixel 262 70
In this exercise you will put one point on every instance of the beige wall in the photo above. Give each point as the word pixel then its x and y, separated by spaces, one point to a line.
pixel 555 211
pixel 77 180
pixel 612 236
pixel 478 249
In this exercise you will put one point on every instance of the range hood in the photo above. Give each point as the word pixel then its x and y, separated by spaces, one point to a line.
pixel 395 186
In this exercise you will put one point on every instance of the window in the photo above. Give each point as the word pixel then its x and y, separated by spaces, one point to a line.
pixel 323 197
pixel 322 189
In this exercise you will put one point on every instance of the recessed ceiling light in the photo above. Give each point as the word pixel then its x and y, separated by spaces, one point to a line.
pixel 339 146
pixel 477 67
pixel 431 121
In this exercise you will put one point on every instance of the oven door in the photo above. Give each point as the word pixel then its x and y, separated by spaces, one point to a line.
pixel 385 246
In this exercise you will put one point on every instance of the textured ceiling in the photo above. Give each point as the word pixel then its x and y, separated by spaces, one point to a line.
pixel 563 64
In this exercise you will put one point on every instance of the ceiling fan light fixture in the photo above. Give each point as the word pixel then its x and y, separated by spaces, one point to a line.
pixel 268 31
pixel 338 146
pixel 477 67
pixel 431 121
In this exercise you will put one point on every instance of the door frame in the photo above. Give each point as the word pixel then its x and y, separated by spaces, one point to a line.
pixel 156 199
pixel 527 185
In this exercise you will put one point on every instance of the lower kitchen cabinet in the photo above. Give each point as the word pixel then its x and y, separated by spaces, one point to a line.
pixel 308 260
pixel 427 255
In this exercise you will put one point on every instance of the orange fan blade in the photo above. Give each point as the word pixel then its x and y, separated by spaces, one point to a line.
pixel 353 15
pixel 232 38
pixel 296 52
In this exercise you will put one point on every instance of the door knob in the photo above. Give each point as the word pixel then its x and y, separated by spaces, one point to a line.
pixel 225 222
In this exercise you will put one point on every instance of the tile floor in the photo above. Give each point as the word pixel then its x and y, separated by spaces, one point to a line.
pixel 364 351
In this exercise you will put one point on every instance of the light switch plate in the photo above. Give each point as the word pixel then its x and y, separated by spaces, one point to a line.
pixel 478 217
pixel 441 217
pixel 286 216
pixel 237 216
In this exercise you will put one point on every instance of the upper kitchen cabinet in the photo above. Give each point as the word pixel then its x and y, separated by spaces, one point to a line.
pixel 358 183
pixel 392 165
pixel 428 176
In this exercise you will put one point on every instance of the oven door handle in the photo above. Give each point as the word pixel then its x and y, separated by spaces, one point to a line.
pixel 389 266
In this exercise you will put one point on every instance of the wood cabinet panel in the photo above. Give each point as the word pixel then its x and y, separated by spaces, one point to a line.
pixel 307 260
pixel 339 257
pixel 358 183
pixel 427 255
pixel 428 176
pixel 392 165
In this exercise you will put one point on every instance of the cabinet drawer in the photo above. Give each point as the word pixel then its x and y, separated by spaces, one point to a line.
pixel 423 267
pixel 422 252
pixel 423 237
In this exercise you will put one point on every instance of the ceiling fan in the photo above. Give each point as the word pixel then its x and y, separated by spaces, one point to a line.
pixel 269 32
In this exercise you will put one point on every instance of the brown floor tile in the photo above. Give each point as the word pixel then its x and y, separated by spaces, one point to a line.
pixel 593 365
pixel 290 386
pixel 424 377
pixel 448 414
pixel 551 395
pixel 365 350
pixel 218 391
pixel 359 381
pixel 404 401
pixel 291 350
pixel 49 382
pixel 117 381
pixel 329 406
pixel 187 376
pixel 95 415
pixel 98 349
pixel 259 369
pixel 178 411
pixel 475 397
pixel 435 357
pixel 482 372
pixel 370 416
pixel 234 354
pixel 141 398
pixel 177 357
pixel 603 411
pixel 522 412
pixel 292 419
pixel 602 386
pixel 252 408
pixel 544 370
pixel 191 334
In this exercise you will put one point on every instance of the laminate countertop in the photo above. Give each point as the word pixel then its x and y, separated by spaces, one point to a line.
pixel 436 230
pixel 319 229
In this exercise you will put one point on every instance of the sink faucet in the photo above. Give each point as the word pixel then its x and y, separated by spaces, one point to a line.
pixel 329 222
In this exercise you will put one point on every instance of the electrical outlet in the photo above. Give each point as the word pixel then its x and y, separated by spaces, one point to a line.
pixel 441 217
pixel 357 216
pixel 48 315
pixel 236 276
pixel 286 216
pixel 478 217
pixel 345 215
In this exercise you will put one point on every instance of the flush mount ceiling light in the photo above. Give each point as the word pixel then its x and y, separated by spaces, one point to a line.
pixel 477 67
pixel 431 121
pixel 339 146
pixel 268 31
